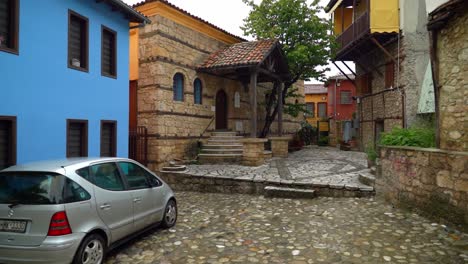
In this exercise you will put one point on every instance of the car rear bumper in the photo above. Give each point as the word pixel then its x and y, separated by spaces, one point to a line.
pixel 54 250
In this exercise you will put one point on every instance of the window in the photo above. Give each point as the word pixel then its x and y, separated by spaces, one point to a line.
pixel 107 176
pixel 346 97
pixel 366 83
pixel 322 110
pixel 77 41
pixel 9 21
pixel 39 188
pixel 310 107
pixel 197 91
pixel 109 52
pixel 108 138
pixel 77 138
pixel 178 86
pixel 389 75
pixel 7 141
pixel 137 177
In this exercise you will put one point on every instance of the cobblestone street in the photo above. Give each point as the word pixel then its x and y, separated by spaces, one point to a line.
pixel 220 228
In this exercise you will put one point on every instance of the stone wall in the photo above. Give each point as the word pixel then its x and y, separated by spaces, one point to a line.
pixel 435 181
pixel 167 48
pixel 452 54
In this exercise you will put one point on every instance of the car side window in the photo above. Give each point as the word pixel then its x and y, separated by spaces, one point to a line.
pixel 73 192
pixel 107 176
pixel 137 177
pixel 84 172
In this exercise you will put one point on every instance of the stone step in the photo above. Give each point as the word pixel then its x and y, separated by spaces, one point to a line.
pixel 223 146
pixel 227 133
pixel 224 141
pixel 174 168
pixel 219 158
pixel 366 177
pixel 226 137
pixel 222 151
pixel 281 192
pixel 267 154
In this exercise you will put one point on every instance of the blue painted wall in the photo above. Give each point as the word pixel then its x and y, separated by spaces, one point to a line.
pixel 39 89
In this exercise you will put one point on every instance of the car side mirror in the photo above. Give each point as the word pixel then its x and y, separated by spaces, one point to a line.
pixel 154 182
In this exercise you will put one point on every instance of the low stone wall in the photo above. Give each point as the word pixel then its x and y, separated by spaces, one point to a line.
pixel 432 180
pixel 187 182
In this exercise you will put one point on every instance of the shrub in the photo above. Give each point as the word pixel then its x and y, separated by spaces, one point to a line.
pixel 423 137
pixel 371 153
pixel 323 141
pixel 307 133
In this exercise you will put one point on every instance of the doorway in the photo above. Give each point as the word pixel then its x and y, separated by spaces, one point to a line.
pixel 221 110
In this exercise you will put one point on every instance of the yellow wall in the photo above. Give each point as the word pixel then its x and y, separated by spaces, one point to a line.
pixel 348 19
pixel 316 98
pixel 133 54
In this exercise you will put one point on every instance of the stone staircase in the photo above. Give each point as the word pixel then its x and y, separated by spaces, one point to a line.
pixel 222 147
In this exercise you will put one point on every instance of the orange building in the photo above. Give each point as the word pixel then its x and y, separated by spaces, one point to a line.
pixel 316 100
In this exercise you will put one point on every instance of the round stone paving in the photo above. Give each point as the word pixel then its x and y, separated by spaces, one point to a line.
pixel 220 228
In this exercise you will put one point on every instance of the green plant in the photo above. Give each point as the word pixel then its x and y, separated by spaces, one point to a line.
pixel 307 132
pixel 323 141
pixel 371 153
pixel 417 136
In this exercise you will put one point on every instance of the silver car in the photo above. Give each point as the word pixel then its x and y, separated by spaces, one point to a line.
pixel 75 210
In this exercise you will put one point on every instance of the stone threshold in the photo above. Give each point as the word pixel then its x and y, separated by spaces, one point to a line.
pixel 210 184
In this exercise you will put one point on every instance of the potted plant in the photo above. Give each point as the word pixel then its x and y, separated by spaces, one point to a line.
pixel 371 156
pixel 322 141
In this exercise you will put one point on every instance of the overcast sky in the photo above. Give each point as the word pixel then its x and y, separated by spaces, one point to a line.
pixel 226 14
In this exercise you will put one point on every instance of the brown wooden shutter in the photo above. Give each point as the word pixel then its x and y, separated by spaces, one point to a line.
pixel 108 139
pixel 77 139
pixel 108 51
pixel 389 75
pixel 5 132
pixel 5 11
pixel 78 40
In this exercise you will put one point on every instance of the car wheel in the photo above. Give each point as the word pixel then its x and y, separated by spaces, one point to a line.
pixel 170 214
pixel 91 251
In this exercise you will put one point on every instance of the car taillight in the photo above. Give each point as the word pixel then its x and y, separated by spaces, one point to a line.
pixel 59 225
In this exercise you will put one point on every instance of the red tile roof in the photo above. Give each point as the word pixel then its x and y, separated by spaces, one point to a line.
pixel 315 89
pixel 240 54
pixel 189 14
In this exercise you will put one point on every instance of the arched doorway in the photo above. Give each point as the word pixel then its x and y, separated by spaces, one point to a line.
pixel 221 110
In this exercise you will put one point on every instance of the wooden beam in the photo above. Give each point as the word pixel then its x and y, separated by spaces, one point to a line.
pixel 253 103
pixel 376 42
pixel 347 77
pixel 348 68
pixel 279 91
pixel 269 74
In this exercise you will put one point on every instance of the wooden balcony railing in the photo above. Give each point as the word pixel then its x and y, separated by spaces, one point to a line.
pixel 359 28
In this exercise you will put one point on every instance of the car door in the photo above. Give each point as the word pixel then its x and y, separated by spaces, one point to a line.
pixel 144 211
pixel 114 202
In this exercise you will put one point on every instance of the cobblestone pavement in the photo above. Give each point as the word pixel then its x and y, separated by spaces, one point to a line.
pixel 314 165
pixel 221 228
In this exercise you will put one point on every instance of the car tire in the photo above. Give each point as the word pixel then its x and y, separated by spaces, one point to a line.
pixel 170 214
pixel 92 250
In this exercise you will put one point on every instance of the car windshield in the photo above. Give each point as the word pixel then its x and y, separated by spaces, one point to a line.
pixel 31 188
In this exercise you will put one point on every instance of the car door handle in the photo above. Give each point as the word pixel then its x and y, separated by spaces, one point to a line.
pixel 105 206
pixel 137 200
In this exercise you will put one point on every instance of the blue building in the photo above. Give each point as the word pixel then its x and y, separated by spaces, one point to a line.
pixel 64 78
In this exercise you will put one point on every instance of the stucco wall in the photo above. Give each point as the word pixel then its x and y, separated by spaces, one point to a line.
pixel 452 54
pixel 42 92
pixel 432 180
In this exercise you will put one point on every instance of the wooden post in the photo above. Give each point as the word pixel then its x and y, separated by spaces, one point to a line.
pixel 279 90
pixel 253 104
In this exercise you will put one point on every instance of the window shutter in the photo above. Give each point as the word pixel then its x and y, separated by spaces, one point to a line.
pixel 345 97
pixel 5 7
pixel 75 142
pixel 108 139
pixel 389 75
pixel 76 39
pixel 108 52
pixel 5 131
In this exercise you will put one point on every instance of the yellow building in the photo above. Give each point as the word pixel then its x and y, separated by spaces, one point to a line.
pixel 316 99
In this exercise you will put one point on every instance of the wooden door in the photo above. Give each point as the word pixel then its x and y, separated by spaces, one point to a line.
pixel 133 109
pixel 221 110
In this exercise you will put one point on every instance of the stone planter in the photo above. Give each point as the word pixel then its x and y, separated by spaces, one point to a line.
pixel 253 151
pixel 279 146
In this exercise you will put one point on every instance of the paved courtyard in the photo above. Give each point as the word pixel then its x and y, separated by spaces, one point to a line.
pixel 324 166
pixel 222 228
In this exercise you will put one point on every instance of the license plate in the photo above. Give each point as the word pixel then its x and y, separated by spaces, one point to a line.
pixel 14 226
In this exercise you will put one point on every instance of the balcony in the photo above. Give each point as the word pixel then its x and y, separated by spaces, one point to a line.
pixel 356 31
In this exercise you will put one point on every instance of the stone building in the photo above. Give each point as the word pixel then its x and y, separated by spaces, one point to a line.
pixel 449 37
pixel 179 98
pixel 388 42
